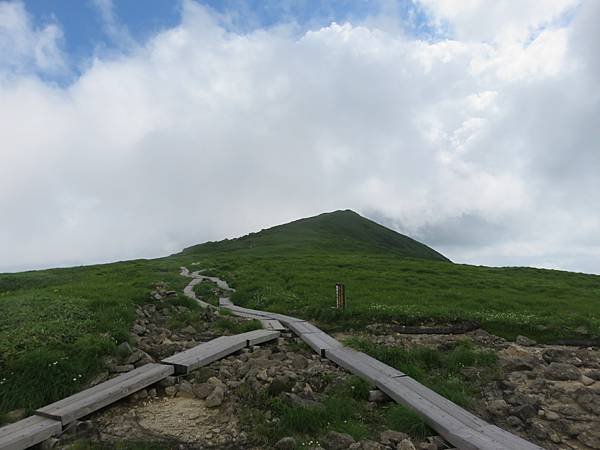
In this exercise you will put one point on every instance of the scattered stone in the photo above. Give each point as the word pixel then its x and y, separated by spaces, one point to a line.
pixel 203 390
pixel 587 381
pixel 189 330
pixel 498 407
pixel 167 381
pixel 591 438
pixel 378 396
pixel 299 362
pixel 337 441
pixel 561 372
pixel 171 391
pixel 588 400
pixel 525 341
pixel 286 443
pixel 216 397
pixel 100 378
pixel 122 368
pixel 139 330
pixel 124 348
pixel 391 437
pixel 185 389
pixel 406 444
pixel 49 444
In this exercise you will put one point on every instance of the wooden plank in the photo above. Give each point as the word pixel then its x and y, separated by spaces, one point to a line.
pixel 204 354
pixel 345 357
pixel 443 403
pixel 272 324
pixel 28 432
pixel 259 336
pixel 510 439
pixel 451 428
pixel 320 342
pixel 303 327
pixel 97 397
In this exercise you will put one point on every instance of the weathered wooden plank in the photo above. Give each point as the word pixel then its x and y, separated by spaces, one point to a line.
pixel 28 432
pixel 303 327
pixel 204 354
pixel 272 324
pixel 259 336
pixel 511 440
pixel 443 403
pixel 445 423
pixel 97 397
pixel 347 358
pixel 320 342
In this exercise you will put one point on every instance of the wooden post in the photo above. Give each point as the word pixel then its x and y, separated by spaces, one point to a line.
pixel 340 296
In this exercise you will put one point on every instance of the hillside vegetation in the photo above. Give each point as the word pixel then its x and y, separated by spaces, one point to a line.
pixel 55 325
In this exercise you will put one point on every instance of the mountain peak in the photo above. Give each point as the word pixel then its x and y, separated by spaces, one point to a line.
pixel 341 230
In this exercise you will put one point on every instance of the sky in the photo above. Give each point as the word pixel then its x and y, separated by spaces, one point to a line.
pixel 133 129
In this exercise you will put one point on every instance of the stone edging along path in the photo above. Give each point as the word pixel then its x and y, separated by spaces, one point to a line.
pixel 457 425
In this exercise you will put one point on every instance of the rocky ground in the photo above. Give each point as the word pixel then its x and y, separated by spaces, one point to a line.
pixel 548 394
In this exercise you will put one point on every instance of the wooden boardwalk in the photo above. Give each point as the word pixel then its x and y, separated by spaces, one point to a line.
pixel 50 420
pixel 457 425
pixel 28 432
pixel 206 353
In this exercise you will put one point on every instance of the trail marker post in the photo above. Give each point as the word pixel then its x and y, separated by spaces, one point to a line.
pixel 340 296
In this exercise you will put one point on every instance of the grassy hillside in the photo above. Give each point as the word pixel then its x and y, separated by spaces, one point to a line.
pixel 339 231
pixel 56 324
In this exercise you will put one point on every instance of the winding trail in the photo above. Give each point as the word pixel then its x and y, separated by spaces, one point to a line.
pixel 457 425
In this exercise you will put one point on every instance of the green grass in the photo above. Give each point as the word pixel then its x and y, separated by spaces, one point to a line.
pixel 233 326
pixel 56 324
pixel 206 291
pixel 438 370
pixel 343 410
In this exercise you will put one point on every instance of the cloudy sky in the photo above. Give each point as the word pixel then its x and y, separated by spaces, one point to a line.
pixel 127 132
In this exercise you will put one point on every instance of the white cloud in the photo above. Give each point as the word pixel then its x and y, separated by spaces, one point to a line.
pixel 25 47
pixel 477 147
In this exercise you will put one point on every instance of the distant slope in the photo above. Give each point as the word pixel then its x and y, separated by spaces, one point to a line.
pixel 337 231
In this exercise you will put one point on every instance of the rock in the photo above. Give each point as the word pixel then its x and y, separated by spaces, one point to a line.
pixel 518 364
pixel 561 355
pixel 49 443
pixel 122 368
pixel 337 441
pixel 378 396
pixel 498 408
pixel 299 362
pixel 591 438
pixel 525 341
pixel 551 416
pixel 203 390
pixel 216 397
pixel 594 374
pixel 524 412
pixel 124 348
pixel 587 381
pixel 189 330
pixel 391 437
pixel 168 381
pixel 138 329
pixel 588 401
pixel 171 391
pixel 15 415
pixel 561 372
pixel 185 389
pixel 514 421
pixel 100 378
pixel 406 444
pixel 368 445
pixel 286 443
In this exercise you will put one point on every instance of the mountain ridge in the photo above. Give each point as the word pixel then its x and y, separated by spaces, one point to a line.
pixel 341 230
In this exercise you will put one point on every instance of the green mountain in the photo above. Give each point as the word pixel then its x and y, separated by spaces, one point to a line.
pixel 338 231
